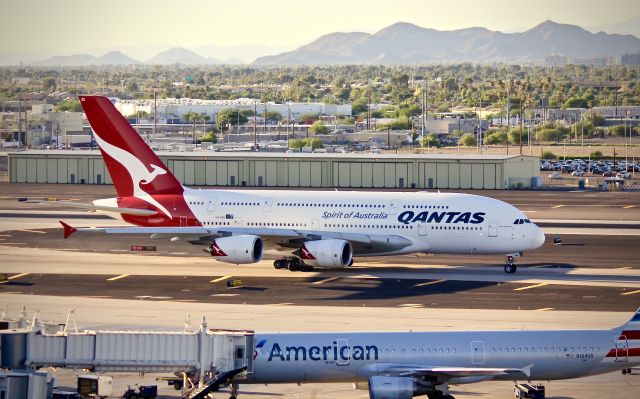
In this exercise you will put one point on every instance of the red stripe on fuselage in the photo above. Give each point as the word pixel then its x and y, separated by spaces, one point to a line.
pixel 631 352
pixel 630 334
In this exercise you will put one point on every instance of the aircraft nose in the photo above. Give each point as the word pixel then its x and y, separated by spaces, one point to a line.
pixel 538 237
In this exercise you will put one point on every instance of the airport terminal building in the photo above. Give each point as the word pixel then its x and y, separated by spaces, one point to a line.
pixel 321 170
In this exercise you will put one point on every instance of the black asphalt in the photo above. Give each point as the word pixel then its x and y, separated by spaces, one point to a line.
pixel 347 291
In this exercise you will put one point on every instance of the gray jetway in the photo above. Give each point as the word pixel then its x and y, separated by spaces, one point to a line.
pixel 196 353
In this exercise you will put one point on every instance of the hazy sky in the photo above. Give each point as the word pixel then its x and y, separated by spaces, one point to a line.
pixel 73 25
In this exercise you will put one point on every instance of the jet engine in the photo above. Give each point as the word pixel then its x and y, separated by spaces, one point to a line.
pixel 382 387
pixel 330 254
pixel 237 249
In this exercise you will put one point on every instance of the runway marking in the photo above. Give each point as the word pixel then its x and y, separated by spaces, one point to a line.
pixel 543 309
pixel 117 277
pixel 178 253
pixel 225 294
pixel 624 268
pixel 217 280
pixel 186 300
pixel 13 243
pixel 325 280
pixel 11 292
pixel 5 235
pixel 628 207
pixel 528 287
pixel 97 296
pixel 430 283
pixel 631 292
pixel 33 231
pixel 282 304
pixel 557 206
pixel 529 211
pixel 411 305
pixel 13 278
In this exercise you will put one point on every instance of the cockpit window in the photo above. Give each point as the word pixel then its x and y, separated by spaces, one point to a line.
pixel 527 221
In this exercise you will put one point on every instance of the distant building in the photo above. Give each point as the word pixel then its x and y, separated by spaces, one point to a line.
pixel 596 61
pixel 172 108
pixel 630 59
pixel 45 126
pixel 556 60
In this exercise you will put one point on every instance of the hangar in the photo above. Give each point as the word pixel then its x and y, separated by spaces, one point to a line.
pixel 320 170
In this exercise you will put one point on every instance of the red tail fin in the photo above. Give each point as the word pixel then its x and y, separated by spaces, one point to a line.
pixel 134 167
pixel 68 230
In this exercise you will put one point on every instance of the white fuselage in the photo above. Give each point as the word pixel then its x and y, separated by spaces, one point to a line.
pixel 433 222
pixel 349 357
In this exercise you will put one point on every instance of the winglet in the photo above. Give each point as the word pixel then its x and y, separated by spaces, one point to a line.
pixel 527 370
pixel 68 230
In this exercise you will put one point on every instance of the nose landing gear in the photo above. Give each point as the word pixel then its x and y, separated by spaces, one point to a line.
pixel 510 266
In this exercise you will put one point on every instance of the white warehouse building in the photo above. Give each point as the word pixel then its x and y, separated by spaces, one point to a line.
pixel 171 108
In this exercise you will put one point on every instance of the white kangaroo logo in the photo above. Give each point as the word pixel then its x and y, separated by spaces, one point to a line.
pixel 137 170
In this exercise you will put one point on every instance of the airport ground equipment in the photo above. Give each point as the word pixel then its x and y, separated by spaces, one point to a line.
pixel 95 386
pixel 214 384
pixel 141 392
pixel 529 391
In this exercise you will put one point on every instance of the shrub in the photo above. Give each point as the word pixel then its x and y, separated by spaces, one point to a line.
pixel 548 155
pixel 468 140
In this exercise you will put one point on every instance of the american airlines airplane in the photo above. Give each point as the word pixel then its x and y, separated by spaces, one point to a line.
pixel 404 365
pixel 325 229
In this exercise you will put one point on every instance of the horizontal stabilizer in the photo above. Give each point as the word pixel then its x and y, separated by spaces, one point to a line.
pixel 68 230
pixel 93 207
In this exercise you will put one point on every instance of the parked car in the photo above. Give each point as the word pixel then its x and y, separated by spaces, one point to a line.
pixel 623 175
pixel 554 175
pixel 578 173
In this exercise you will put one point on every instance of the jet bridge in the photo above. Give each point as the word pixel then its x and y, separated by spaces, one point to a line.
pixel 197 353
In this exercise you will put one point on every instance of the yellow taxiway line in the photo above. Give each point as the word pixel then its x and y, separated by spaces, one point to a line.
pixel 117 277
pixel 325 280
pixel 528 287
pixel 217 280
pixel 631 292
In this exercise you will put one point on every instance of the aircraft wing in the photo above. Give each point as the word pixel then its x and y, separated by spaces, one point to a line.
pixel 91 207
pixel 443 373
pixel 284 237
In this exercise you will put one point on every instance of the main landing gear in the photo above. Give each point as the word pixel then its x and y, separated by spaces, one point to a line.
pixel 292 263
pixel 510 266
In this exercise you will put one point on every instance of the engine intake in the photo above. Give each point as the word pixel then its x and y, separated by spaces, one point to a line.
pixel 382 387
pixel 237 249
pixel 330 254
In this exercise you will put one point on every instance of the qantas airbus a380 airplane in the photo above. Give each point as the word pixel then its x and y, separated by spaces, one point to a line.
pixel 308 228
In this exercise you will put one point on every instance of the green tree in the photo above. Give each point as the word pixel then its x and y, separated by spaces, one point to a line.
pixel 548 155
pixel 468 140
pixel 230 117
pixel 209 138
pixel 319 127
pixel 296 143
pixel 431 140
pixel 70 105
pixel 619 130
pixel 496 138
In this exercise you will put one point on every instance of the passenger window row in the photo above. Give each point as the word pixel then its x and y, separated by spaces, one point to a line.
pixel 522 221
pixel 331 205
pixel 456 228
pixel 552 349
pixel 369 226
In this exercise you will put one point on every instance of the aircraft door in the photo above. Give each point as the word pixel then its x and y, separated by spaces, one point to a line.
pixel 211 206
pixel 422 229
pixel 622 349
pixel 239 356
pixel 393 207
pixel 268 204
pixel 477 352
pixel 344 352
pixel 493 229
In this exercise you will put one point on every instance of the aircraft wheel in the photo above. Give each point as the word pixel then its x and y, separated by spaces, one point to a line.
pixel 510 268
pixel 278 264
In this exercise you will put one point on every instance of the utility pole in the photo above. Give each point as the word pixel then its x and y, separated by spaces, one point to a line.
pixel 369 111
pixel 255 125
pixel 155 111
pixel 19 120
pixel 26 123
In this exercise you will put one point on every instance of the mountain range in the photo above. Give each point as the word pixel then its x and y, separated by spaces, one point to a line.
pixel 404 43
pixel 400 43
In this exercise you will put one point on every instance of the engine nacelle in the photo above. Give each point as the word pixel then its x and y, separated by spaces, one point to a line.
pixel 237 249
pixel 382 387
pixel 330 254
